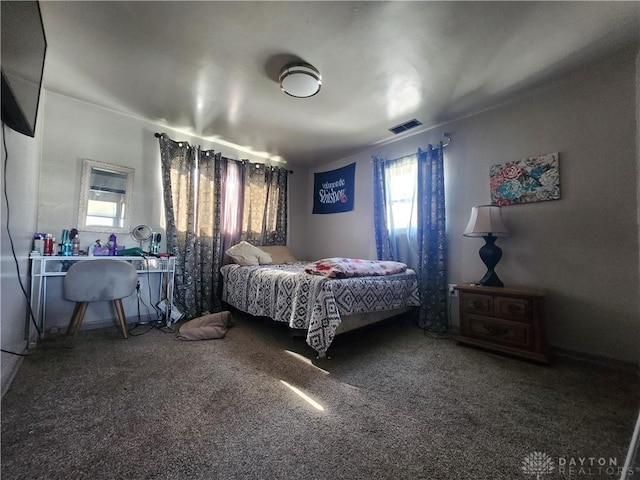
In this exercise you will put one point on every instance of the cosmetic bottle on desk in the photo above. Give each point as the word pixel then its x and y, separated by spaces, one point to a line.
pixel 155 243
pixel 112 245
pixel 65 244
pixel 75 248
pixel 48 245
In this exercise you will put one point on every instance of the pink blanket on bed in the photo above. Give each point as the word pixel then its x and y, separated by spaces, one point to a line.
pixel 354 267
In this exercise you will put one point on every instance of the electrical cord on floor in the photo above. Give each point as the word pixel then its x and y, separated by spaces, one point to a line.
pixel 140 300
pixel 164 328
pixel 132 332
pixel 13 251
pixel 140 323
pixel 159 313
pixel 152 324
pixel 16 353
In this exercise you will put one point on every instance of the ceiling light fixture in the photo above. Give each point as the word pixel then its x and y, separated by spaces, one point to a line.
pixel 300 80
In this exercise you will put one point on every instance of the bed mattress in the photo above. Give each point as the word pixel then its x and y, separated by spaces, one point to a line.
pixel 286 293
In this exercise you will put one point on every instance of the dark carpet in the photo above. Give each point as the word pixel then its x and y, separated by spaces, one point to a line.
pixel 396 405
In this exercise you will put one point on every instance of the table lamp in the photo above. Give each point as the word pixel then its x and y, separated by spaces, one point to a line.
pixel 486 222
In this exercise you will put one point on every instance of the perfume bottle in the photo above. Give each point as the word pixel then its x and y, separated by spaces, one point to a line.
pixel 112 244
pixel 75 249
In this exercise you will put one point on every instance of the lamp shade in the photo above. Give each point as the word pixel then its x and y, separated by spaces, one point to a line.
pixel 485 220
pixel 300 80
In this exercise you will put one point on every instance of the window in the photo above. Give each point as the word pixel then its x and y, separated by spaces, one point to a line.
pixel 401 179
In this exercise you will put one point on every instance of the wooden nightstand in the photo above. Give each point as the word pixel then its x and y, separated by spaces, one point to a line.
pixel 508 320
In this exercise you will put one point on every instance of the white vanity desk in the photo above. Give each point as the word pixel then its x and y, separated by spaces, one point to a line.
pixel 47 267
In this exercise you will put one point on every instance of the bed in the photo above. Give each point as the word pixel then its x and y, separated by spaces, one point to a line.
pixel 317 304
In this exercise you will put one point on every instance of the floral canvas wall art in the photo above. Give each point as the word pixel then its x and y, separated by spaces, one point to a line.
pixel 533 179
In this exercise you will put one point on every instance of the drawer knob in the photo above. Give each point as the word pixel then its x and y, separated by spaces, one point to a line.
pixel 493 330
pixel 515 309
pixel 478 304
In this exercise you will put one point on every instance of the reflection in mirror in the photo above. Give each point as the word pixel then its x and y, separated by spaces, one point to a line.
pixel 105 197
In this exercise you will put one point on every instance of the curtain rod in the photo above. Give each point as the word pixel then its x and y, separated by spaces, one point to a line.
pixel 158 135
pixel 444 145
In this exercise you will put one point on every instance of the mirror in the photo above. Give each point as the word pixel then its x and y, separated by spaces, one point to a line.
pixel 142 233
pixel 106 192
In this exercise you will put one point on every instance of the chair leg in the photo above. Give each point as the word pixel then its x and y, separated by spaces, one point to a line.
pixel 121 317
pixel 76 320
pixel 74 315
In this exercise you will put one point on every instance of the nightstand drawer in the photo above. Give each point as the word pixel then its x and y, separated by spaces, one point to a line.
pixel 481 304
pixel 510 308
pixel 502 319
pixel 508 333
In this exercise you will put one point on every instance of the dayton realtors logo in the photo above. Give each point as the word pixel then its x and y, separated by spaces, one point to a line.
pixel 540 464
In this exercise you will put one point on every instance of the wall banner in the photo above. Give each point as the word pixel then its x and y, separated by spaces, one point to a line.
pixel 333 191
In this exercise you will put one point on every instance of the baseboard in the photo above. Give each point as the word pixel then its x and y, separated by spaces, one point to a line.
pixel 584 357
pixel 596 359
pixel 105 323
pixel 10 368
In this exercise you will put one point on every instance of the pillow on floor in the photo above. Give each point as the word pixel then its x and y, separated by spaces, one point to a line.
pixel 245 254
pixel 207 327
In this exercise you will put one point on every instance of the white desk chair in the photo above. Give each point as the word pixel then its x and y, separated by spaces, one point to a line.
pixel 98 281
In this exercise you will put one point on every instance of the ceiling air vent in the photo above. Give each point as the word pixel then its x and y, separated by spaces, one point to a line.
pixel 403 127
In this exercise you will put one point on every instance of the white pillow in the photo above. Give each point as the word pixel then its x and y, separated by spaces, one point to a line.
pixel 279 254
pixel 246 254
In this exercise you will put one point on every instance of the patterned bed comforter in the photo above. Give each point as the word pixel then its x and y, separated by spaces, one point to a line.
pixel 286 293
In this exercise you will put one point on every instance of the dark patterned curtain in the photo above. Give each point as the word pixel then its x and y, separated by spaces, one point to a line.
pixel 189 201
pixel 380 222
pixel 210 205
pixel 432 241
pixel 265 205
pixel 409 223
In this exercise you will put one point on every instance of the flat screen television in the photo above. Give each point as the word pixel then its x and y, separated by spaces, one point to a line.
pixel 23 49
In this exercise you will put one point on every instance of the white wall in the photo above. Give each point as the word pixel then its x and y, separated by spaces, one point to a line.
pixel 346 234
pixel 23 165
pixel 582 248
pixel 297 238
pixel 638 156
pixel 75 130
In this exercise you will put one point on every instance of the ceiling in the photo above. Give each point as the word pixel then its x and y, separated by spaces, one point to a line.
pixel 211 68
